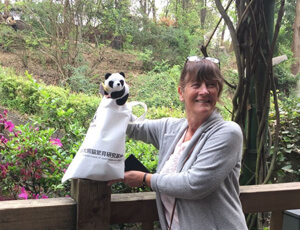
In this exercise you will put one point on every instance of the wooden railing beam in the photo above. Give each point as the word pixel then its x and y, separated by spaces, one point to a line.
pixel 94 207
pixel 133 208
pixel 270 197
pixel 54 213
pixel 147 225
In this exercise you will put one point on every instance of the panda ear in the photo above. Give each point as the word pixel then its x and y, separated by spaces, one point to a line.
pixel 123 74
pixel 107 75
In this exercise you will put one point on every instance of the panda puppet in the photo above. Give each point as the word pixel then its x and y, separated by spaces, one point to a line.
pixel 115 87
pixel 98 157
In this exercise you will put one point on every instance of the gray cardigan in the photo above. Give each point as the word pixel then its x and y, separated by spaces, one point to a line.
pixel 207 187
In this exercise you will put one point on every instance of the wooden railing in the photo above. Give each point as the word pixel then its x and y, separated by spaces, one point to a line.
pixel 93 207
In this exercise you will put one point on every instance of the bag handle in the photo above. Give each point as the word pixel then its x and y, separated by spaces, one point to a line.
pixel 142 117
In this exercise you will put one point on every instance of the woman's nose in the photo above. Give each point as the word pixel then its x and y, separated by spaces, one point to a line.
pixel 203 89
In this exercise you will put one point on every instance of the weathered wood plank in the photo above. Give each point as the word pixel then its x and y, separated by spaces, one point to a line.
pixel 133 208
pixel 270 197
pixel 94 201
pixel 125 197
pixel 148 225
pixel 276 220
pixel 54 213
pixel 93 204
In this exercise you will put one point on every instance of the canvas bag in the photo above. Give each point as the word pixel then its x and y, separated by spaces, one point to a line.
pixel 101 155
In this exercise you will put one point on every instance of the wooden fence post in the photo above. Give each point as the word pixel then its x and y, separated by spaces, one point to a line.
pixel 93 204
pixel 276 220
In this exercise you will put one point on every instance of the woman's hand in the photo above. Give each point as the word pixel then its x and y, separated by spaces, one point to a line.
pixel 133 179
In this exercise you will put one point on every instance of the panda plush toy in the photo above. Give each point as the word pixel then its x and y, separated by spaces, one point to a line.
pixel 116 88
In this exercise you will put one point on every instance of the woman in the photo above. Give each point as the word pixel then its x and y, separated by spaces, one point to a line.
pixel 199 157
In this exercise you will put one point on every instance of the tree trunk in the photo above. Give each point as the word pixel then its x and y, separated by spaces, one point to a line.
pixel 153 10
pixel 295 69
pixel 143 5
pixel 6 11
pixel 202 13
pixel 223 34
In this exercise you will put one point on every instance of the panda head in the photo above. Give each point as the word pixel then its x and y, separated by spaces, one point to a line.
pixel 114 82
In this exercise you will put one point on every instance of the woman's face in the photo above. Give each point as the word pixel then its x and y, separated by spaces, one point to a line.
pixel 200 98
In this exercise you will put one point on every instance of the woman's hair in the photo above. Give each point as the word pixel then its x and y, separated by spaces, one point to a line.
pixel 201 71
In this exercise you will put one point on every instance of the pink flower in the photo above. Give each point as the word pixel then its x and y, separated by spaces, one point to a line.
pixel 17 133
pixel 4 167
pixel 56 142
pixel 38 163
pixel 24 194
pixel 3 171
pixel 23 172
pixel 37 196
pixel 9 126
pixel 5 112
pixel 3 139
pixel 37 176
pixel 22 156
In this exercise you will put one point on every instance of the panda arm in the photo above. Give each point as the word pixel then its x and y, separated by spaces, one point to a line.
pixel 122 100
pixel 117 94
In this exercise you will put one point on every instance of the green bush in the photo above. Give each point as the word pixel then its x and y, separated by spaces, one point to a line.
pixel 159 89
pixel 285 81
pixel 78 82
pixel 17 93
pixel 163 43
pixel 9 40
pixel 146 153
pixel 53 106
pixel 288 156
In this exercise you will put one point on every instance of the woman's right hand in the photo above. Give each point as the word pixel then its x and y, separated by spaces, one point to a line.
pixel 133 179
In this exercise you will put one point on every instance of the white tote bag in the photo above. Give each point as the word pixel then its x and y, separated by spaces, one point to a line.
pixel 101 155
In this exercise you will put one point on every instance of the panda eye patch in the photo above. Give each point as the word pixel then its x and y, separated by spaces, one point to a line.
pixel 122 82
pixel 111 84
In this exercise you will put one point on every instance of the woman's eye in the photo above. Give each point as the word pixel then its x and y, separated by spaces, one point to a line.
pixel 195 85
pixel 211 85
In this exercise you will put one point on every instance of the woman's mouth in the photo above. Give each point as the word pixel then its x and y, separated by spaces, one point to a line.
pixel 202 101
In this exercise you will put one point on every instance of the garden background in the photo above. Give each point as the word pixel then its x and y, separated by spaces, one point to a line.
pixel 54 55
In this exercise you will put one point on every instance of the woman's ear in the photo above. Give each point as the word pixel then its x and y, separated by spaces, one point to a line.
pixel 180 92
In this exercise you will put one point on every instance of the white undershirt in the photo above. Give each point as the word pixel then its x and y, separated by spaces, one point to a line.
pixel 170 167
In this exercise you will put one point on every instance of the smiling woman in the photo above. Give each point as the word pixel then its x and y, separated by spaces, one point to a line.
pixel 197 177
pixel 200 87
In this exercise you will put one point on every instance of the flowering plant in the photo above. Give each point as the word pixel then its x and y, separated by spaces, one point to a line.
pixel 32 163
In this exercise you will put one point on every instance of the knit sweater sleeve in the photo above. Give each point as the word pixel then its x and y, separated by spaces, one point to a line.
pixel 149 131
pixel 215 159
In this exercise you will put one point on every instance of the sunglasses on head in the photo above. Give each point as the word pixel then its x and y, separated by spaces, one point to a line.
pixel 197 58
